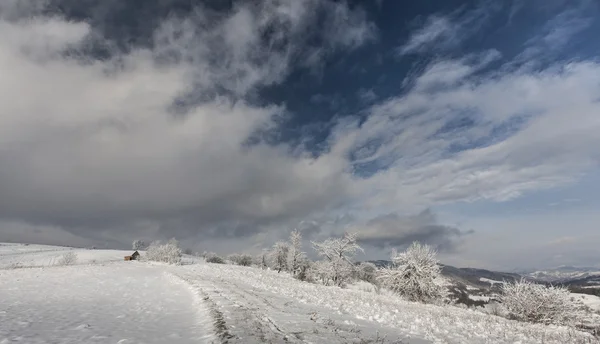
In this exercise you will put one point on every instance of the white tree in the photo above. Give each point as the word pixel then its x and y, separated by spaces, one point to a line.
pixel 168 253
pixel 339 254
pixel 278 256
pixel 139 245
pixel 320 272
pixel 527 301
pixel 414 274
pixel 296 258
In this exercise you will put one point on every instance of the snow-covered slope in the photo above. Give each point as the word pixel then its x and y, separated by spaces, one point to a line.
pixel 100 299
pixel 107 300
pixel 291 308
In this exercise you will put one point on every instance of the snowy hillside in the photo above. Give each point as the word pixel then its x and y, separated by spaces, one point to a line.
pixel 103 299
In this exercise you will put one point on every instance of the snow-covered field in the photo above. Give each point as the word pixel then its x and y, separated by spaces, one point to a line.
pixel 20 255
pixel 107 300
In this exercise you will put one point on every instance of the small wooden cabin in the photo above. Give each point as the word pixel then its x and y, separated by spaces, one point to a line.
pixel 134 256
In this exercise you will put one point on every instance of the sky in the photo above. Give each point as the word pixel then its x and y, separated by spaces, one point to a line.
pixel 471 126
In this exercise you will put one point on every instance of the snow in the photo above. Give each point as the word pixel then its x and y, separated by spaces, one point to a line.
pixel 113 301
pixel 590 301
pixel 479 298
pixel 13 255
pixel 490 281
pixel 280 306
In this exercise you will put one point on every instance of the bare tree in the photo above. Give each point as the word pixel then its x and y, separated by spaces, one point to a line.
pixel 339 255
pixel 415 274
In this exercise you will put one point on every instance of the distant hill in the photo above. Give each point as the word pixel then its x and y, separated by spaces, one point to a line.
pixel 563 274
pixel 478 278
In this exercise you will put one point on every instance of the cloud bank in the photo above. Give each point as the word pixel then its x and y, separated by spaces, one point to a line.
pixel 106 143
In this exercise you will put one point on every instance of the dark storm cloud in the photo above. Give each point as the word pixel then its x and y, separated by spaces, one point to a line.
pixel 392 230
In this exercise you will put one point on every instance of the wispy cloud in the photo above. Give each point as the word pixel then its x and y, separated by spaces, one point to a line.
pixel 441 32
pixel 559 32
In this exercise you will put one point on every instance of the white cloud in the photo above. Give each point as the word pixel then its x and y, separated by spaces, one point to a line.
pixel 436 161
pixel 91 144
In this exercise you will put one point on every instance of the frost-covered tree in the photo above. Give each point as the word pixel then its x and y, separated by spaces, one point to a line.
pixel 339 254
pixel 414 274
pixel 279 255
pixel 168 253
pixel 296 258
pixel 527 301
pixel 320 272
pixel 139 245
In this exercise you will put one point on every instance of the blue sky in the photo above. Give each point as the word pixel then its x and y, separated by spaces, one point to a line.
pixel 471 126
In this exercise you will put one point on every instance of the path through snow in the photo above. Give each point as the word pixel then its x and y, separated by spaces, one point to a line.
pixel 126 303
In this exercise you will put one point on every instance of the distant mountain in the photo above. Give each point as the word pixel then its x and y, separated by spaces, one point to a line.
pixel 478 277
pixel 475 278
pixel 563 274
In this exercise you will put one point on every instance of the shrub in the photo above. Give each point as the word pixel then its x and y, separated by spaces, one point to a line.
pixel 367 272
pixel 537 303
pixel 168 253
pixel 414 274
pixel 240 259
pixel 69 258
pixel 212 257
